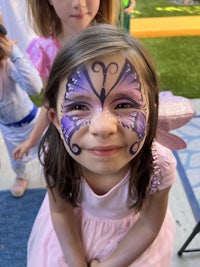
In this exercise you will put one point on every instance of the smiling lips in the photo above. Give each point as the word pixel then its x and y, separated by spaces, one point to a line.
pixel 104 151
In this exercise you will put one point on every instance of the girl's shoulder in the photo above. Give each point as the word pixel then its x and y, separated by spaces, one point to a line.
pixel 43 43
pixel 42 52
pixel 164 168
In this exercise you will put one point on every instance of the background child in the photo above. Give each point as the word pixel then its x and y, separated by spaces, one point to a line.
pixel 62 20
pixel 18 79
pixel 108 179
pixel 129 6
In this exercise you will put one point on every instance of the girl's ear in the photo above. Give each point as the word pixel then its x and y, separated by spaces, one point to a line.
pixel 52 115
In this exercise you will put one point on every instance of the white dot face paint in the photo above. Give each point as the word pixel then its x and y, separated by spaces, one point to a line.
pixel 104 111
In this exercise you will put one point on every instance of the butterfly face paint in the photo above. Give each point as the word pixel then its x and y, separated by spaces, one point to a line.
pixel 109 87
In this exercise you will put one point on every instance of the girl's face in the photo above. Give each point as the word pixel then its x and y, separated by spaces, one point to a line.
pixel 102 115
pixel 75 14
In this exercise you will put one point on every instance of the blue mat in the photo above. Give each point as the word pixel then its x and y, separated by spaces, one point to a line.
pixel 16 219
pixel 188 163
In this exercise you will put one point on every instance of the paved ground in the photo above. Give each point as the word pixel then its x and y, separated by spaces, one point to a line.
pixel 185 221
pixel 179 204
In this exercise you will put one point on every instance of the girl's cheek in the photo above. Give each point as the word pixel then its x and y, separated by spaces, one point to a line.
pixel 135 124
pixel 70 125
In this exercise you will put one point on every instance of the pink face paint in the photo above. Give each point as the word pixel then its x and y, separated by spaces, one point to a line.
pixel 121 97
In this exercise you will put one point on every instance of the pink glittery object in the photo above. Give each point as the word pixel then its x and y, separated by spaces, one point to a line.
pixel 174 112
pixel 155 181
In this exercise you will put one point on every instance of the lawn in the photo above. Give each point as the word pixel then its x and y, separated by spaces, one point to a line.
pixel 177 59
pixel 164 8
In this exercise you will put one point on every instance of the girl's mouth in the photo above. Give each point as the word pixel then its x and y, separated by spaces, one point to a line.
pixel 104 151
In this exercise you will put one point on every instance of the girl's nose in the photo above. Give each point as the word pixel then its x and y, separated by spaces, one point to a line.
pixel 79 4
pixel 103 124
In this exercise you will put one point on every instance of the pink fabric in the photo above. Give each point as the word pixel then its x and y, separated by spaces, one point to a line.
pixel 103 221
pixel 42 53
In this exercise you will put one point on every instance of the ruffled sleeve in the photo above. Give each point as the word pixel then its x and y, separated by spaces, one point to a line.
pixel 164 168
pixel 42 53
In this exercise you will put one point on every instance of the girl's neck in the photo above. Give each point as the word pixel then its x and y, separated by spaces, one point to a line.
pixel 101 184
pixel 63 38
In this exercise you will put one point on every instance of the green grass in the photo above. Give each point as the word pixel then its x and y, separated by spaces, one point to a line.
pixel 37 99
pixel 177 59
pixel 163 8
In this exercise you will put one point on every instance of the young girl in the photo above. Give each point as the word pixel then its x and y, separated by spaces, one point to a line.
pixel 18 79
pixel 57 21
pixel 108 179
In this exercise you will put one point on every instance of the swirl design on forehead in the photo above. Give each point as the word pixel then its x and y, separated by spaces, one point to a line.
pixel 79 83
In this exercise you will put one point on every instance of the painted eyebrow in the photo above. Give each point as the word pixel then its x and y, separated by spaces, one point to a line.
pixel 126 95
pixel 74 98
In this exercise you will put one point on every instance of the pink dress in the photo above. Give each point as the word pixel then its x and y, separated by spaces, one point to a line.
pixel 42 53
pixel 103 220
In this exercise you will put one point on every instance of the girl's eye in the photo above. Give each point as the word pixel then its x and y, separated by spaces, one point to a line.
pixel 75 108
pixel 78 107
pixel 126 103
pixel 124 106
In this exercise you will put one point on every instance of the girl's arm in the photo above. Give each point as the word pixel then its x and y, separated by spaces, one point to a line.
pixel 131 7
pixel 22 71
pixel 40 126
pixel 142 234
pixel 64 223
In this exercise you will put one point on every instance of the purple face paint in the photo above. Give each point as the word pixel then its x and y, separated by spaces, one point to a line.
pixel 122 98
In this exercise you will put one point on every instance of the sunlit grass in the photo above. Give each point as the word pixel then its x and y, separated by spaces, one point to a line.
pixel 164 8
pixel 177 59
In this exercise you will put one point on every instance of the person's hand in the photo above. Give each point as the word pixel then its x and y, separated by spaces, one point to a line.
pixel 6 45
pixel 22 150
pixel 128 10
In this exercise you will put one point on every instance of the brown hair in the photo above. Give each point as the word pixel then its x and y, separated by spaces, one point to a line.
pixel 42 15
pixel 84 47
